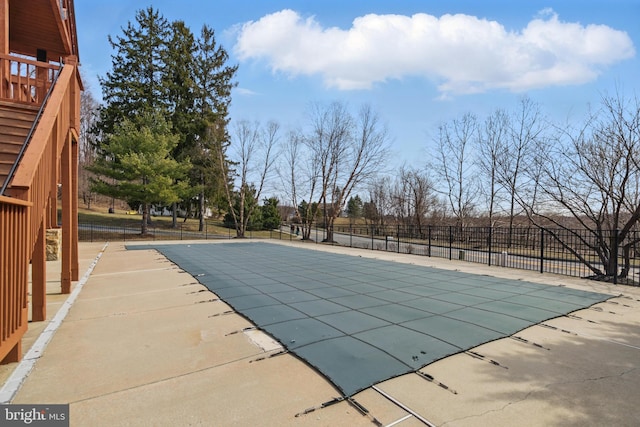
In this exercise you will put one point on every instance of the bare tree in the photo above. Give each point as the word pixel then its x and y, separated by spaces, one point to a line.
pixel 338 154
pixel 300 176
pixel 592 176
pixel 455 166
pixel 422 197
pixel 255 150
pixel 399 197
pixel 380 200
pixel 328 143
pixel 413 197
pixel 491 142
pixel 354 160
pixel 526 131
pixel 89 115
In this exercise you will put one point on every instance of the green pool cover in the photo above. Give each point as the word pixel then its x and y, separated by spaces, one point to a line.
pixel 360 321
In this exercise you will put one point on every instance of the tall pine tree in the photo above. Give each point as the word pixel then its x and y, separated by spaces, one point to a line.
pixel 181 90
pixel 214 80
pixel 136 83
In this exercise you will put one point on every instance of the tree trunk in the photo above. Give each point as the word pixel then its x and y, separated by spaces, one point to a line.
pixel 174 221
pixel 145 218
pixel 612 263
pixel 329 235
pixel 201 211
pixel 240 224
pixel 626 253
pixel 328 223
pixel 511 217
pixel 306 233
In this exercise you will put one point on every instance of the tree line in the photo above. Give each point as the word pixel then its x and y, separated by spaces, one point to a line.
pixel 580 182
pixel 163 136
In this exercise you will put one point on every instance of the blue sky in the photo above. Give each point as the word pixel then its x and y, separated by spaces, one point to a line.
pixel 418 63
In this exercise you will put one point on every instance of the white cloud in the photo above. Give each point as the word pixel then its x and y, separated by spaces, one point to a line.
pixel 245 92
pixel 461 53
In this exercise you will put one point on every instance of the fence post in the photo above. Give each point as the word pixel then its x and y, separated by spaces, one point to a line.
pixel 371 236
pixel 542 250
pixel 490 242
pixel 350 236
pixel 429 237
pixel 398 238
pixel 450 241
pixel 91 231
pixel 614 253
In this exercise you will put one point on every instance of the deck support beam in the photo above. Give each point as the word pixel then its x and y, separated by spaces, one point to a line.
pixel 39 276
pixel 67 216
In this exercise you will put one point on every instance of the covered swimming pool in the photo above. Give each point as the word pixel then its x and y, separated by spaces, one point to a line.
pixel 360 321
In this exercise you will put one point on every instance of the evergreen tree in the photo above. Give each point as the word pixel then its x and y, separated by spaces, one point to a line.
pixel 138 165
pixel 213 79
pixel 370 212
pixel 181 90
pixel 136 83
pixel 179 80
pixel 270 214
pixel 307 211
pixel 354 207
pixel 253 215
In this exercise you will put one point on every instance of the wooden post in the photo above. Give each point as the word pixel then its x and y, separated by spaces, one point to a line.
pixel 4 27
pixel 15 354
pixel 74 108
pixel 74 125
pixel 39 276
pixel 5 71
pixel 55 173
pixel 42 77
pixel 75 275
pixel 67 217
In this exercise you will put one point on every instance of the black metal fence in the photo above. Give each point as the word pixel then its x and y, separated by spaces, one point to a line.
pixel 558 251
pixel 103 231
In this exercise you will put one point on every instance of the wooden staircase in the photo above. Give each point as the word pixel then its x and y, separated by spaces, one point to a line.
pixel 15 122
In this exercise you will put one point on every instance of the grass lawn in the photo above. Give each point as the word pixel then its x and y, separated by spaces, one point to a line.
pixel 100 215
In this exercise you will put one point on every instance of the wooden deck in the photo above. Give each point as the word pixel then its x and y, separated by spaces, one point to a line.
pixel 39 117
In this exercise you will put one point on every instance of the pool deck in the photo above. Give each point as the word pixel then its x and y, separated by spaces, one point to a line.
pixel 145 344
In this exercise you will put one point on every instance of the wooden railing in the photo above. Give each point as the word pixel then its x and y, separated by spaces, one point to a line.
pixel 35 178
pixel 33 205
pixel 14 215
pixel 24 80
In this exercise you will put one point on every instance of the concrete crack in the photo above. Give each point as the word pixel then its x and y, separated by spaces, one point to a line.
pixel 546 386
pixel 168 378
pixel 525 397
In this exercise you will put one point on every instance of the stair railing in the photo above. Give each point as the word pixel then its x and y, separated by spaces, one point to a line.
pixel 33 127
